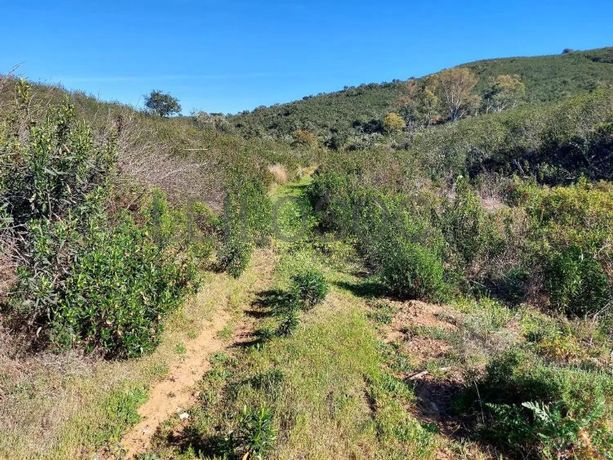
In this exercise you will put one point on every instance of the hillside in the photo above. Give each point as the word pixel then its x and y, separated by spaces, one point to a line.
pixel 547 78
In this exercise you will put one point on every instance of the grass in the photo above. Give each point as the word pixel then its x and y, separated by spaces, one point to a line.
pixel 332 396
pixel 328 386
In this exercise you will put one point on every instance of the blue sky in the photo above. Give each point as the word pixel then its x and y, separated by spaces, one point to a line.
pixel 232 55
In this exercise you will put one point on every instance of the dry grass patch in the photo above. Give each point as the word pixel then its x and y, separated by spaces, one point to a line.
pixel 279 173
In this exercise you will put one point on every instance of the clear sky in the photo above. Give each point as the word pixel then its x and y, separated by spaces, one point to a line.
pixel 231 55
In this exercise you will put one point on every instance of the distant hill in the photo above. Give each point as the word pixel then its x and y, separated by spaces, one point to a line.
pixel 547 78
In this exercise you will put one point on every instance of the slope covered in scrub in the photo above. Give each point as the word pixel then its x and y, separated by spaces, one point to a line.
pixel 546 79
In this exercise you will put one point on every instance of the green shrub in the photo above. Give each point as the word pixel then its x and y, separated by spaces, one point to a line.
pixel 310 288
pixel 576 282
pixel 541 410
pixel 87 277
pixel 568 243
pixel 413 271
pixel 246 222
pixel 256 435
pixel 398 242
pixel 289 323
pixel 56 169
pixel 467 227
pixel 105 290
pixel 234 254
pixel 118 291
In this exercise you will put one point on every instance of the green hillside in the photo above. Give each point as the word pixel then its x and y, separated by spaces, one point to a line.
pixel 550 78
pixel 547 78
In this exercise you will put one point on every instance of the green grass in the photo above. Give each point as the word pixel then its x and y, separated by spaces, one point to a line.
pixel 328 386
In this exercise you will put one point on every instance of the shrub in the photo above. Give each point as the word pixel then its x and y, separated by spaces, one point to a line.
pixel 289 323
pixel 413 271
pixel 86 277
pixel 534 407
pixel 398 241
pixel 235 254
pixel 303 137
pixel 57 169
pixel 256 435
pixel 393 123
pixel 467 227
pixel 310 288
pixel 108 292
pixel 113 302
pixel 246 222
pixel 576 283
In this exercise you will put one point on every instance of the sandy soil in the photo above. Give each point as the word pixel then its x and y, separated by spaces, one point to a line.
pixel 174 395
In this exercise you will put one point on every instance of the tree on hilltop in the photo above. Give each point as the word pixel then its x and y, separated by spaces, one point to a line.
pixel 162 104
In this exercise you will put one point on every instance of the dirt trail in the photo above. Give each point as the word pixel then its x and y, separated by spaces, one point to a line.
pixel 175 394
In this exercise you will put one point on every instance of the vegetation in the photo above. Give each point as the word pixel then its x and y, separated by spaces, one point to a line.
pixel 453 91
pixel 76 283
pixel 439 285
pixel 331 366
pixel 347 117
pixel 162 104
pixel 309 288
pixel 539 407
pixel 246 222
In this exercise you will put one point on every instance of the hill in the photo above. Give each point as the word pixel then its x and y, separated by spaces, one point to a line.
pixel 546 78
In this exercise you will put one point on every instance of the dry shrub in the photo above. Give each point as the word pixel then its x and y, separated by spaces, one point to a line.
pixel 7 269
pixel 153 162
pixel 279 173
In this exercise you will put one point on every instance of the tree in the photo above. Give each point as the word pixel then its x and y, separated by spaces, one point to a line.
pixel 505 92
pixel 393 123
pixel 453 88
pixel 162 104
pixel 420 106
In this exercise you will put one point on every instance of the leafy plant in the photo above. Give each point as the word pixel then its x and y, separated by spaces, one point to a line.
pixel 246 222
pixel 467 226
pixel 289 323
pixel 535 407
pixel 309 287
pixel 413 271
pixel 256 433
pixel 87 277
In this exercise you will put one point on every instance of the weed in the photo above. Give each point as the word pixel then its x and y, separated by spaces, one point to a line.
pixel 255 435
pixel 310 288
pixel 382 312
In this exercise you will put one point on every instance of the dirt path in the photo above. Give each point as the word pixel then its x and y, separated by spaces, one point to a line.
pixel 174 394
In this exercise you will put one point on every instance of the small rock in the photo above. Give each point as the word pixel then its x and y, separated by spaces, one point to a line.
pixel 183 416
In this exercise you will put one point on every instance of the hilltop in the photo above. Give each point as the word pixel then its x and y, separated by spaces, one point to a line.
pixel 546 78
